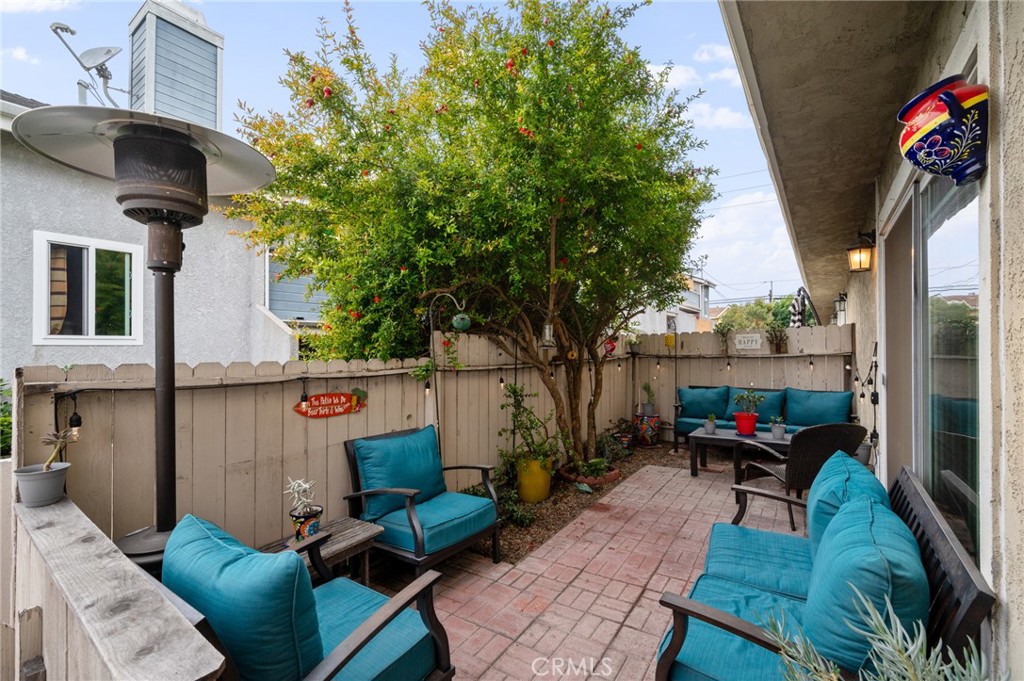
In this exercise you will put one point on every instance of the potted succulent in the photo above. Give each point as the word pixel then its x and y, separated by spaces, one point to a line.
pixel 746 420
pixel 709 425
pixel 305 514
pixel 778 428
pixel 42 484
pixel 535 450
pixel 648 406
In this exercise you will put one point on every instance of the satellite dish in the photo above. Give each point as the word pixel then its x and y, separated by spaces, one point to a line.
pixel 97 56
pixel 94 59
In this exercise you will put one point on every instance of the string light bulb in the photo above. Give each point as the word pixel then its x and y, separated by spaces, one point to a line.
pixel 304 398
pixel 811 364
pixel 862 396
pixel 618 366
pixel 728 365
pixel 501 382
pixel 426 388
pixel 75 422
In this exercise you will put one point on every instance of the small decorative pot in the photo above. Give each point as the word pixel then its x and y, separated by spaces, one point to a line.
pixel 946 129
pixel 648 408
pixel 624 439
pixel 41 488
pixel 779 431
pixel 306 524
pixel 709 427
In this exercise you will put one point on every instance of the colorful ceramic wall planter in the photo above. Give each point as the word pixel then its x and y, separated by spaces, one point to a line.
pixel 946 130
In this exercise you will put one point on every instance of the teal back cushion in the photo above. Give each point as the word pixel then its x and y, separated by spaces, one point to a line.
pixel 699 402
pixel 260 605
pixel 411 461
pixel 867 547
pixel 770 406
pixel 815 407
pixel 841 479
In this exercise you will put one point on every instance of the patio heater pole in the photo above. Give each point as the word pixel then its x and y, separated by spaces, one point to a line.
pixel 164 240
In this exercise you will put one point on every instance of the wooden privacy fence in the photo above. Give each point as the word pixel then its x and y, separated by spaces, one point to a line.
pixel 239 439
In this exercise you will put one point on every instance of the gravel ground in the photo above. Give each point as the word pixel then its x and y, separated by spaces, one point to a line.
pixel 566 502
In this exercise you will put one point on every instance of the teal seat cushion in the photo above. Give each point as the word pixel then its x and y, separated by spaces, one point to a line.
pixel 446 519
pixel 867 547
pixel 772 561
pixel 411 461
pixel 686 425
pixel 260 605
pixel 840 480
pixel 770 406
pixel 815 407
pixel 402 651
pixel 699 402
pixel 710 653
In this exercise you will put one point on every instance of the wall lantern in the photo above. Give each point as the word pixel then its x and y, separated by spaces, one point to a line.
pixel 859 252
pixel 840 307
pixel 946 129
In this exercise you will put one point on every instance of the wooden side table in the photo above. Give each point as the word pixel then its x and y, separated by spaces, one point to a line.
pixel 350 540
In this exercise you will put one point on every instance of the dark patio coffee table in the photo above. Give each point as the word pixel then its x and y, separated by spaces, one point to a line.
pixel 727 437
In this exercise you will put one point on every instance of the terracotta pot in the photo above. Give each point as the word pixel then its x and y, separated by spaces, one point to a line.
pixel 568 474
pixel 946 129
pixel 306 524
pixel 746 423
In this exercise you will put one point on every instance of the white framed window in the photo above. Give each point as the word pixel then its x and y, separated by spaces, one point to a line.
pixel 85 291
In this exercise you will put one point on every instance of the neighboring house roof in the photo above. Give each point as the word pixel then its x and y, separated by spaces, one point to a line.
pixel 970 299
pixel 12 104
pixel 26 102
pixel 716 312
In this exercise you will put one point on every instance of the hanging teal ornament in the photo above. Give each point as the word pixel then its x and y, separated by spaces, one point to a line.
pixel 461 321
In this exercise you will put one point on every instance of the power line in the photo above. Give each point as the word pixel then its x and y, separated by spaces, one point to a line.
pixel 740 205
pixel 743 189
pixel 750 172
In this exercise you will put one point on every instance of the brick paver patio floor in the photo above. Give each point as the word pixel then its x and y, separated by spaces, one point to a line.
pixel 589 595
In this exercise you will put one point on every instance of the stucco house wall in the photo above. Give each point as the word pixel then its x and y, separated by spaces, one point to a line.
pixel 996 32
pixel 216 292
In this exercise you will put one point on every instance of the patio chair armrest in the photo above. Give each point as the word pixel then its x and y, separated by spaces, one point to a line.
pixel 741 496
pixel 683 609
pixel 485 478
pixel 737 450
pixel 404 491
pixel 311 545
pixel 422 592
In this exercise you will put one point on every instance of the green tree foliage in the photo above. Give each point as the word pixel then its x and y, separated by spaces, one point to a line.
pixel 535 167
pixel 758 314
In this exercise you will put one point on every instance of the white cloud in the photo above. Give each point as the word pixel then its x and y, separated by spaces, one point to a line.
pixel 730 75
pixel 713 52
pixel 679 75
pixel 707 116
pixel 17 6
pixel 746 241
pixel 19 54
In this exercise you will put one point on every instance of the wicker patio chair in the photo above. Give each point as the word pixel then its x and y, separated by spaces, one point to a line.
pixel 809 449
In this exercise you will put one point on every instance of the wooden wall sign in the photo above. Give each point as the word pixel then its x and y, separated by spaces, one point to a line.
pixel 748 341
pixel 325 405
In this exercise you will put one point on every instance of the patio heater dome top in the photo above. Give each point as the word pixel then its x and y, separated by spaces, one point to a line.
pixel 82 137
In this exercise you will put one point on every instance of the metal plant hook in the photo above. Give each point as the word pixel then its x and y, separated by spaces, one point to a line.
pixel 430 319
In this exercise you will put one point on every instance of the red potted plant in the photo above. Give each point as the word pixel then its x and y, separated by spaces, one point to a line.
pixel 746 420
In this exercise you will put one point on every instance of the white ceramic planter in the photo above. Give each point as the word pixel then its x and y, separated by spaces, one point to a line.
pixel 709 427
pixel 41 488
pixel 778 431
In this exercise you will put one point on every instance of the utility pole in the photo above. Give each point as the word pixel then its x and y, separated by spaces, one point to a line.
pixel 771 291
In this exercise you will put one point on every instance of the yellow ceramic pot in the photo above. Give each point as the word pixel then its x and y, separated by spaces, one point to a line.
pixel 534 480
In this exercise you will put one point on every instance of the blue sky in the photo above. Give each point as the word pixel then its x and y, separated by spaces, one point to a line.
pixel 745 237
